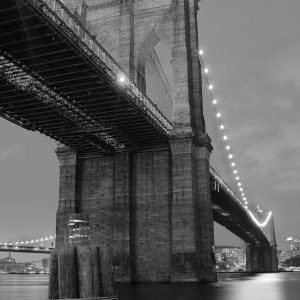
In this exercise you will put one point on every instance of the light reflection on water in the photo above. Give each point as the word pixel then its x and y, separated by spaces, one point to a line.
pixel 274 286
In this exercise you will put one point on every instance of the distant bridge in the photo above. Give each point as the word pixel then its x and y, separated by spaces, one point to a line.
pixel 26 249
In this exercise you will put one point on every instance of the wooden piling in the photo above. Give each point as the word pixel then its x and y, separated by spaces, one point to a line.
pixel 53 276
pixel 105 272
pixel 67 272
pixel 88 274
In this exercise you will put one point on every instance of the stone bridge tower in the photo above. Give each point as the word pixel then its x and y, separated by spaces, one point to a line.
pixel 153 208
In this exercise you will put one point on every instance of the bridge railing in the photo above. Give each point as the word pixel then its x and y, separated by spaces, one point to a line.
pixel 224 185
pixel 63 17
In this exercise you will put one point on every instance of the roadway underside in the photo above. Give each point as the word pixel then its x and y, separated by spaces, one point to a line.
pixel 48 83
pixel 230 213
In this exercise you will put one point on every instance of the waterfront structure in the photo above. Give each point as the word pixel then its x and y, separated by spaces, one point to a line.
pixel 9 265
pixel 137 168
pixel 293 246
pixel 230 258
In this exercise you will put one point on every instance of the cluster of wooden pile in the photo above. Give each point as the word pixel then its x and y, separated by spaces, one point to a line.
pixel 81 272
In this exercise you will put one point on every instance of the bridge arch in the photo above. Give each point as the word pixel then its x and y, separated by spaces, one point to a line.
pixel 154 71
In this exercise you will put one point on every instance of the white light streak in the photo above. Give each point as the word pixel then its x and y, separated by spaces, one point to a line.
pixel 263 224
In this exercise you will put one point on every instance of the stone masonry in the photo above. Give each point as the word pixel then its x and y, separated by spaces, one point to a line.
pixel 153 208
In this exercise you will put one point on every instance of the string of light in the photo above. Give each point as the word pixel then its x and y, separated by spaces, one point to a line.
pixel 227 145
pixel 32 241
pixel 222 129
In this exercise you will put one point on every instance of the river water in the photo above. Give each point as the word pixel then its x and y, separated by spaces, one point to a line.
pixel 275 286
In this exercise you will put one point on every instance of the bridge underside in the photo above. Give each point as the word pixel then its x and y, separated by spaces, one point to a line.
pixel 230 213
pixel 51 82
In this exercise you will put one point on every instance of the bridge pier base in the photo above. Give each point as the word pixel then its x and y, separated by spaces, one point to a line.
pixel 260 259
pixel 152 209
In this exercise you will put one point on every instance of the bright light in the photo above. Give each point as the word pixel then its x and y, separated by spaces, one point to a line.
pixel 225 137
pixel 218 115
pixel 246 202
pixel 227 147
pixel 230 156
pixel 243 194
pixel 263 224
pixel 239 184
pixel 244 198
pixel 206 70
pixel 221 126
pixel 233 164
pixel 121 78
pixel 235 171
pixel 237 178
pixel 241 189
pixel 201 52
pixel 215 101
pixel 246 206
pixel 210 87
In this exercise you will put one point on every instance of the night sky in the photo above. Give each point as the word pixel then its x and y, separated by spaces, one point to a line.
pixel 252 49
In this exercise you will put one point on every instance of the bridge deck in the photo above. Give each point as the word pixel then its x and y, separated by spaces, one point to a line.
pixel 55 78
pixel 229 212
pixel 25 249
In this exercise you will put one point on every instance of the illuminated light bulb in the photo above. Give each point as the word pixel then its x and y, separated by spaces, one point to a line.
pixel 215 101
pixel 210 87
pixel 241 189
pixel 243 194
pixel 221 126
pixel 121 78
pixel 246 202
pixel 239 184
pixel 22 243
pixel 218 115
pixel 50 237
pixel 233 164
pixel 42 239
pixel 237 178
pixel 36 240
pixel 246 206
pixel 235 171
pixel 225 137
pixel 227 147
pixel 230 156
pixel 206 70
pixel 26 242
pixel 46 238
pixel 201 52
pixel 244 198
pixel 32 241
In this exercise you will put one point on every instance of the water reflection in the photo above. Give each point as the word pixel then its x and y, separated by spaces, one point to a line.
pixel 276 286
